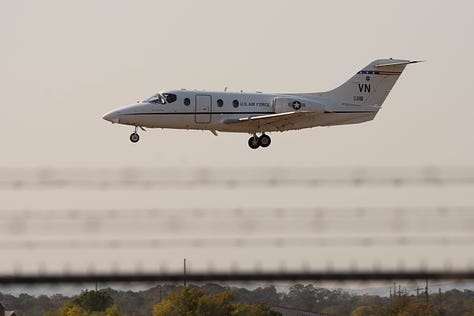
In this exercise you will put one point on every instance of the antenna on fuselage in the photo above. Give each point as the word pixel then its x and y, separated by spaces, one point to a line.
pixel 225 89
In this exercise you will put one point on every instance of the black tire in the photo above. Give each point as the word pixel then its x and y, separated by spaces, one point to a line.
pixel 134 137
pixel 254 142
pixel 265 140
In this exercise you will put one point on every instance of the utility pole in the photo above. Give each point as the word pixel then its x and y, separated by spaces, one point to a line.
pixel 394 290
pixel 426 292
pixel 184 272
pixel 440 299
pixel 418 293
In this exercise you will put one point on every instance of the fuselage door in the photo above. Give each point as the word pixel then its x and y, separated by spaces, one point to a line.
pixel 203 109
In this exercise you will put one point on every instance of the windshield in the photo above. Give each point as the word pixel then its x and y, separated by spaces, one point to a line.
pixel 157 98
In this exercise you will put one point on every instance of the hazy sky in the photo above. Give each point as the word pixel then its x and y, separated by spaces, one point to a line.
pixel 65 63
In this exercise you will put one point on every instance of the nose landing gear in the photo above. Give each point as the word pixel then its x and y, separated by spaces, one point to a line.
pixel 134 137
pixel 263 141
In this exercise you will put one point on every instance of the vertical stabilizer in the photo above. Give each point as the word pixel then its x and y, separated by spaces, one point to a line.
pixel 369 86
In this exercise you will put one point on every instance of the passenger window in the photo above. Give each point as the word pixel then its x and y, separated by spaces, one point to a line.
pixel 235 103
pixel 187 101
pixel 170 97
pixel 220 103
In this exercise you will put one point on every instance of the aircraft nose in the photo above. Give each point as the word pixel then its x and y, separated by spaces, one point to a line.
pixel 111 117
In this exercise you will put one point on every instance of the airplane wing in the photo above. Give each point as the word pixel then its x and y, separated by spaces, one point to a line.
pixel 278 121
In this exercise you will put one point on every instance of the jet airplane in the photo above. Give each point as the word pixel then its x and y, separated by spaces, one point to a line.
pixel 357 100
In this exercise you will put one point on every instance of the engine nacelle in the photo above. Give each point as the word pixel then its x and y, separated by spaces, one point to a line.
pixel 286 104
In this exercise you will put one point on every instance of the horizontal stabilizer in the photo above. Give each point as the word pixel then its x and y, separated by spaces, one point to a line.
pixel 399 63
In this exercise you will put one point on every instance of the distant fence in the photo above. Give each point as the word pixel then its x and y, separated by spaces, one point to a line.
pixel 342 276
pixel 90 241
pixel 101 178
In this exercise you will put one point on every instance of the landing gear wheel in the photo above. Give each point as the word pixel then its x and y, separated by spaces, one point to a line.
pixel 254 142
pixel 265 140
pixel 134 138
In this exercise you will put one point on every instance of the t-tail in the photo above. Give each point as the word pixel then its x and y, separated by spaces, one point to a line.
pixel 369 86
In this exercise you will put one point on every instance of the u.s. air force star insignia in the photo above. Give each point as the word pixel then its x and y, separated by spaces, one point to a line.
pixel 296 105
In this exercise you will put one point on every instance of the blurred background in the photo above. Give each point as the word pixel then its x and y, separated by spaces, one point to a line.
pixel 77 197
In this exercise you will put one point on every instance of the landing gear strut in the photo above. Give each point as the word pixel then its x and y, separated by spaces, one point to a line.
pixel 255 141
pixel 134 137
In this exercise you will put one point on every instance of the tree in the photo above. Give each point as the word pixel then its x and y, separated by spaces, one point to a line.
pixel 71 309
pixel 307 297
pixel 183 303
pixel 419 309
pixel 113 311
pixel 193 302
pixel 367 311
pixel 241 309
pixel 94 301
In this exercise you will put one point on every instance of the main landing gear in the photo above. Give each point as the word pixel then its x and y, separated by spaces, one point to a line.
pixel 263 141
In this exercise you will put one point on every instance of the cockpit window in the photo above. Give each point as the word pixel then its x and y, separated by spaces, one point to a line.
pixel 170 97
pixel 157 98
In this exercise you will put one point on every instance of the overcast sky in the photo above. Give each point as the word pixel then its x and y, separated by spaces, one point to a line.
pixel 65 63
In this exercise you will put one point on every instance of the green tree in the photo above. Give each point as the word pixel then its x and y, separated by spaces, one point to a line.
pixel 367 311
pixel 94 301
pixel 182 303
pixel 398 306
pixel 419 309
pixel 113 311
pixel 193 302
pixel 241 309
pixel 215 304
pixel 71 309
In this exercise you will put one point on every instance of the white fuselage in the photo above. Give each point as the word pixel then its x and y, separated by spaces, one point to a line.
pixel 203 110
pixel 355 101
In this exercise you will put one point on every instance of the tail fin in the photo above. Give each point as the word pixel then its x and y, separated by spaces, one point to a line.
pixel 371 85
